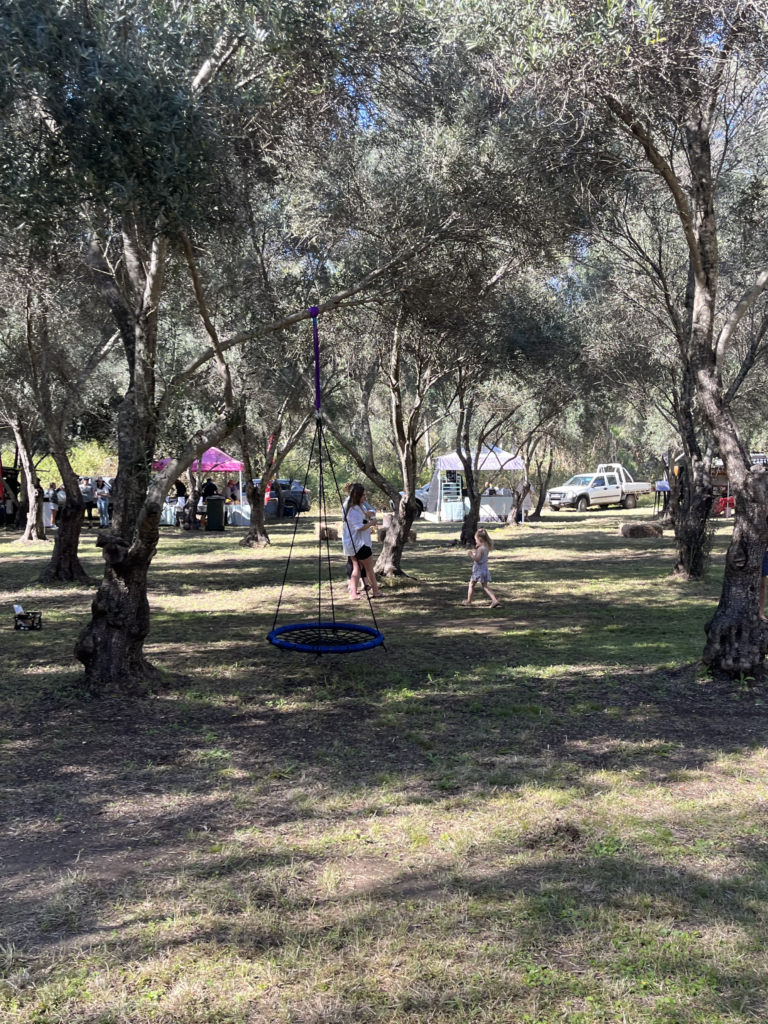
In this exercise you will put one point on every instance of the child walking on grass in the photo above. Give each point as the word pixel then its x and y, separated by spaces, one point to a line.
pixel 480 572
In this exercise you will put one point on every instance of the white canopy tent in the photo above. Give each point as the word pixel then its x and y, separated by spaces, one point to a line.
pixel 491 460
pixel 445 502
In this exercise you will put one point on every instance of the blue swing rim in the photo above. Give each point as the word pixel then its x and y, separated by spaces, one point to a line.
pixel 277 638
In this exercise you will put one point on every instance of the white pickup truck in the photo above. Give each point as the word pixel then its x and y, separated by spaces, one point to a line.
pixel 610 484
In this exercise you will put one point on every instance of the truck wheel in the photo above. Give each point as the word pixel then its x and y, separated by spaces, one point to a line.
pixel 582 504
pixel 630 501
pixel 419 509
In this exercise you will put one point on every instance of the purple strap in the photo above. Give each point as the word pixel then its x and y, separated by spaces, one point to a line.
pixel 313 311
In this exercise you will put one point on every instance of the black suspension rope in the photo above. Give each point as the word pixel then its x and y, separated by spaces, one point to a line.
pixel 320 506
pixel 325 516
pixel 295 528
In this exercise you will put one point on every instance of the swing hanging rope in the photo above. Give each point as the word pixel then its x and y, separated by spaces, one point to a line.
pixel 322 637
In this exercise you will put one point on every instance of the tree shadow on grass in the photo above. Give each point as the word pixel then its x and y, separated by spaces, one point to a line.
pixel 509 925
pixel 553 697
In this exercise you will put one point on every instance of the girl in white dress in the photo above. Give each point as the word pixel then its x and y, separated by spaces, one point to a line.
pixel 356 538
pixel 480 572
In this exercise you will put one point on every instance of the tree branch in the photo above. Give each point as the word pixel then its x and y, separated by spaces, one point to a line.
pixel 221 362
pixel 334 302
pixel 222 53
pixel 628 117
pixel 738 311
pixel 748 362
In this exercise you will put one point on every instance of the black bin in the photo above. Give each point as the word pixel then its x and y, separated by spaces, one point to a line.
pixel 215 514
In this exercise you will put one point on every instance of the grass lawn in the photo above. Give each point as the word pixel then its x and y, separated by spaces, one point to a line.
pixel 537 814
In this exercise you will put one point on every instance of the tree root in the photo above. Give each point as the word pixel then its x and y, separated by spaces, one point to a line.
pixel 735 650
pixel 255 542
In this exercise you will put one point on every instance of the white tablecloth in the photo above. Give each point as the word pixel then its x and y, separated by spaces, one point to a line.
pixel 238 515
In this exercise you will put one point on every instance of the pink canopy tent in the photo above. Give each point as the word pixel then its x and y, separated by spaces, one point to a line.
pixel 213 461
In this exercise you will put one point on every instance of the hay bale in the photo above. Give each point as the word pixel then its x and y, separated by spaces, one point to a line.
pixel 640 531
pixel 326 532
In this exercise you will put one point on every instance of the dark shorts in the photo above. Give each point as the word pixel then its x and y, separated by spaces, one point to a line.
pixel 765 564
pixel 363 553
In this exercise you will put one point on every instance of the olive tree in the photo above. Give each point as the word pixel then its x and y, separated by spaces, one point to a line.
pixel 678 89
pixel 126 125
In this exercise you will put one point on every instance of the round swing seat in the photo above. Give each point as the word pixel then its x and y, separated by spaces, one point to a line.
pixel 326 637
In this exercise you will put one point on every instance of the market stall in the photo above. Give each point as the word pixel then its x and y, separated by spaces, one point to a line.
pixel 447 501
pixel 212 461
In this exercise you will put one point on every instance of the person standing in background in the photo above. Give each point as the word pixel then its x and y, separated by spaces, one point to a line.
pixel 102 501
pixel 86 489
pixel 51 504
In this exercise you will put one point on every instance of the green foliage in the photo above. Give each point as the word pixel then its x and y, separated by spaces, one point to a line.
pixel 88 459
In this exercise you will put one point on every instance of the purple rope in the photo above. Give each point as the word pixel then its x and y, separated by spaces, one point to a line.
pixel 313 312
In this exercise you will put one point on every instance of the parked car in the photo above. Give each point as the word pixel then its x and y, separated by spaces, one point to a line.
pixel 611 484
pixel 295 496
pixel 421 494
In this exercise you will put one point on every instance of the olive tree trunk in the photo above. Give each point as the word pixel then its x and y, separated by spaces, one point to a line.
pixel 693 532
pixel 543 484
pixel 65 566
pixel 736 641
pixel 111 647
pixel 395 539
pixel 280 499
pixel 257 536
pixel 471 517
pixel 34 528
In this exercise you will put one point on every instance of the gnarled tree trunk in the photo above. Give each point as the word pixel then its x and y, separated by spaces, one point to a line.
pixel 64 566
pixel 673 479
pixel 464 451
pixel 520 496
pixel 736 642
pixel 395 539
pixel 187 518
pixel 111 647
pixel 736 639
pixel 692 527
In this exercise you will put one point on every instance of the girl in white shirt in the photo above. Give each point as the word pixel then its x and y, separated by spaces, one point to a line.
pixel 356 537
